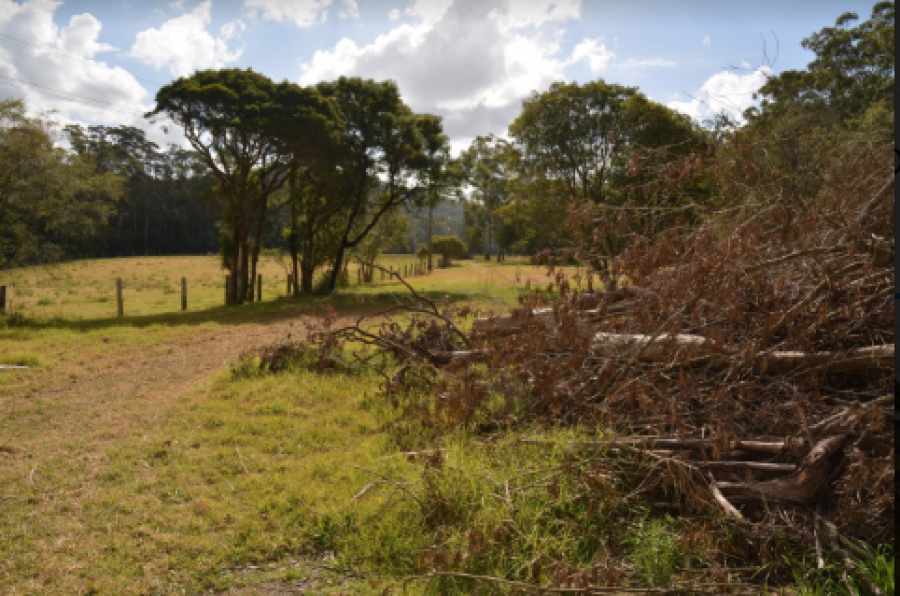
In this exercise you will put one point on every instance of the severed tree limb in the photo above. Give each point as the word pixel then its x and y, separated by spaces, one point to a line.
pixel 803 486
pixel 871 203
pixel 860 359
pixel 759 466
pixel 758 446
pixel 729 509
pixel 505 325
pixel 809 252
pixel 432 310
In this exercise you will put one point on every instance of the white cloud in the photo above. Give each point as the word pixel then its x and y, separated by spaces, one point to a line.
pixel 349 10
pixel 471 61
pixel 524 13
pixel 62 68
pixel 706 40
pixel 634 64
pixel 429 11
pixel 303 13
pixel 594 52
pixel 724 92
pixel 184 44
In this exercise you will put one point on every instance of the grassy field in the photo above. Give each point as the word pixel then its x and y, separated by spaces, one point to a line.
pixel 131 460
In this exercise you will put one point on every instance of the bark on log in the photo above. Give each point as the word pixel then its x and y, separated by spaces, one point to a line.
pixel 648 348
pixel 664 347
pixel 744 465
pixel 812 476
pixel 858 360
pixel 737 445
pixel 506 325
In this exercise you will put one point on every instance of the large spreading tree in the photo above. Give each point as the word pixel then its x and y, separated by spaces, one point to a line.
pixel 252 133
pixel 383 158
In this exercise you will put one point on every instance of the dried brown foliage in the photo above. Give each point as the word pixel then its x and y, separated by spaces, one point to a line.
pixel 745 351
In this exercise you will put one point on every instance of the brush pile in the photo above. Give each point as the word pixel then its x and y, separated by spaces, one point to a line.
pixel 747 352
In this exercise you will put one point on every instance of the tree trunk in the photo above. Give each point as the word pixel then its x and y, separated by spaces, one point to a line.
pixel 244 279
pixel 307 272
pixel 257 245
pixel 803 486
pixel 430 230
pixel 231 292
pixel 293 247
pixel 487 250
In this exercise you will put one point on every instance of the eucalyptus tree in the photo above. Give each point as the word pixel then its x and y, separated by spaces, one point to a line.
pixel 382 158
pixel 852 73
pixel 126 151
pixel 577 144
pixel 486 164
pixel 573 133
pixel 443 175
pixel 316 197
pixel 49 200
pixel 252 133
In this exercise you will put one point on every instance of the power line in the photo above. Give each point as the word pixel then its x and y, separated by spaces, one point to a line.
pixel 66 96
pixel 51 48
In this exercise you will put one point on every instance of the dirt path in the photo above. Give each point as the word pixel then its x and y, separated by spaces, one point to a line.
pixel 99 390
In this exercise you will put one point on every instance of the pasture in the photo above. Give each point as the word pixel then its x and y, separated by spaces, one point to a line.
pixel 133 462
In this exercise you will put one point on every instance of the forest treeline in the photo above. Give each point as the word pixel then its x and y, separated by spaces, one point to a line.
pixel 345 169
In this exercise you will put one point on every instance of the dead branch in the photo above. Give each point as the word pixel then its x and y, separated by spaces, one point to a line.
pixel 805 485
pixel 505 325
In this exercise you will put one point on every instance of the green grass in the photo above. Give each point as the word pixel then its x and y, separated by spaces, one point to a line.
pixel 152 285
pixel 236 481
pixel 213 481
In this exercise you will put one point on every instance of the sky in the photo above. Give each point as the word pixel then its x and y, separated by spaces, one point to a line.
pixel 470 61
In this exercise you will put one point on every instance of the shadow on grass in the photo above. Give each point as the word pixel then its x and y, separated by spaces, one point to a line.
pixel 270 311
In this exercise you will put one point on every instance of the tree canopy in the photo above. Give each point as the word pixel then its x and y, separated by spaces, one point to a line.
pixel 251 133
pixel 49 198
pixel 853 71
pixel 382 156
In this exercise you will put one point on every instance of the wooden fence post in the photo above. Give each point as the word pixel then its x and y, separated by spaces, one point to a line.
pixel 259 287
pixel 183 293
pixel 3 298
pixel 121 306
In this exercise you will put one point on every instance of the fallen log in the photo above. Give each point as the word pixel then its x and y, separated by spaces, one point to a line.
pixel 650 349
pixel 858 360
pixel 803 486
pixel 759 466
pixel 12 367
pixel 505 325
pixel 736 445
pixel 656 443
pixel 647 348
